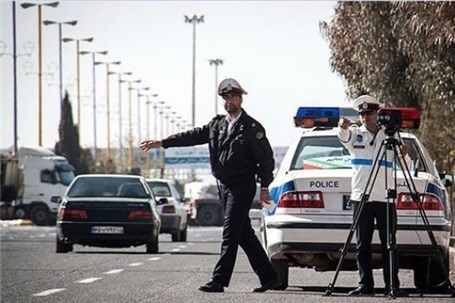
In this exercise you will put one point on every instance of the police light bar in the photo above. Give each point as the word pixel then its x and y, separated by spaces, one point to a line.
pixel 317 116
pixel 410 117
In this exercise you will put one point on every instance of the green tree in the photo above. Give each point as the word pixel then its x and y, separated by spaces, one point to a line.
pixel 404 54
pixel 68 146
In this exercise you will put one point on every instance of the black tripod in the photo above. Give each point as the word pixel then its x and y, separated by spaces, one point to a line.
pixel 390 143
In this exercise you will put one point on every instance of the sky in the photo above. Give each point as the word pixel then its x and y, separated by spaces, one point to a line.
pixel 273 48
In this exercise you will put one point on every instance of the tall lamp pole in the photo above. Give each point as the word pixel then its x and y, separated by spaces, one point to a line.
pixel 130 122
pixel 78 76
pixel 138 91
pixel 60 56
pixel 148 103
pixel 93 53
pixel 108 106
pixel 26 5
pixel 120 134
pixel 216 62
pixel 194 20
pixel 28 48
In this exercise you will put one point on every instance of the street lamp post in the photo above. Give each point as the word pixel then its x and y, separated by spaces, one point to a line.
pixel 120 135
pixel 156 106
pixel 78 76
pixel 216 62
pixel 138 93
pixel 108 106
pixel 28 48
pixel 130 122
pixel 26 5
pixel 60 56
pixel 148 103
pixel 194 20
pixel 93 53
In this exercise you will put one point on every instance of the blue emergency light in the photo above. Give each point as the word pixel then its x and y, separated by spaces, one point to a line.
pixel 317 116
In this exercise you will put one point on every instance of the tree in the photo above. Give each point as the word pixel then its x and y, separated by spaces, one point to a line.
pixel 68 146
pixel 404 54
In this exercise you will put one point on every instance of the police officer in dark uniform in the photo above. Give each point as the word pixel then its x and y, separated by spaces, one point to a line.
pixel 239 152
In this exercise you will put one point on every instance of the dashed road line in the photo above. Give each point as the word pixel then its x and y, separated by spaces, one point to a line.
pixel 113 272
pixel 48 292
pixel 154 259
pixel 88 280
pixel 135 264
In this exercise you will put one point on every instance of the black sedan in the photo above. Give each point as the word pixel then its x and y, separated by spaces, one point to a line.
pixel 108 211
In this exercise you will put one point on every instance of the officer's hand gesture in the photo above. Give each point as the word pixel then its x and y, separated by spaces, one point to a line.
pixel 264 198
pixel 344 123
pixel 148 144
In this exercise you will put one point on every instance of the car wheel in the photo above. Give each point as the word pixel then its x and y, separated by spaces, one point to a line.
pixel 183 234
pixel 40 215
pixel 152 245
pixel 282 269
pixel 429 276
pixel 208 215
pixel 176 236
pixel 62 247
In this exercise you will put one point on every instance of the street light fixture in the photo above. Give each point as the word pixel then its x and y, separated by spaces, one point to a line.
pixel 60 59
pixel 216 62
pixel 108 106
pixel 26 5
pixel 93 53
pixel 78 73
pixel 194 20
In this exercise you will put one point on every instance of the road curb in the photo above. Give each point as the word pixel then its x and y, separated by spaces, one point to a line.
pixel 18 222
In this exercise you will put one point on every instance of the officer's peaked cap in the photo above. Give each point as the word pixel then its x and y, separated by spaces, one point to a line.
pixel 366 103
pixel 230 85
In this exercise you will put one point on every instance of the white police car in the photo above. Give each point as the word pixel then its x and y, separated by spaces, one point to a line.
pixel 309 221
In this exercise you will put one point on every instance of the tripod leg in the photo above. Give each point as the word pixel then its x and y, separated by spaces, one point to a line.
pixel 416 198
pixel 364 199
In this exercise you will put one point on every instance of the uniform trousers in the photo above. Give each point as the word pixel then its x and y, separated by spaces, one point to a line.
pixel 364 234
pixel 237 230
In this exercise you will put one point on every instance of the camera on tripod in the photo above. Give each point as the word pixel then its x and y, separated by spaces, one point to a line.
pixel 390 118
pixel 396 118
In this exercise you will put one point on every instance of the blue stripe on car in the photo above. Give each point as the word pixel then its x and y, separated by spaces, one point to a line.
pixel 277 192
pixel 357 161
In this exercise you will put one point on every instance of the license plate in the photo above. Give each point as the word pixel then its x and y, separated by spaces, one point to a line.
pixel 347 205
pixel 107 230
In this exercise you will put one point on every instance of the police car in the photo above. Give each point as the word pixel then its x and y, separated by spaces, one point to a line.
pixel 309 220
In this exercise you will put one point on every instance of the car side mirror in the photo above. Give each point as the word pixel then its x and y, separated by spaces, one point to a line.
pixel 447 179
pixel 56 199
pixel 162 201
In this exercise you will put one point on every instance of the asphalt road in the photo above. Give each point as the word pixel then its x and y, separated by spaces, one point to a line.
pixel 31 271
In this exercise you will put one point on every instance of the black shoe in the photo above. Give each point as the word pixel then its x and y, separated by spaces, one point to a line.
pixel 362 291
pixel 397 292
pixel 273 285
pixel 212 286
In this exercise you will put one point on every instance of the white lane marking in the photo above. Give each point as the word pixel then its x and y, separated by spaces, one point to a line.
pixel 182 246
pixel 112 272
pixel 175 249
pixel 48 292
pixel 135 264
pixel 166 254
pixel 154 259
pixel 88 280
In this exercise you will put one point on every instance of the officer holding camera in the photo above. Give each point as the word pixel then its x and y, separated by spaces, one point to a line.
pixel 239 151
pixel 364 144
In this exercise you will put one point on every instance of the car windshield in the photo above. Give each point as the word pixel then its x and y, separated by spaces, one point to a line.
pixel 326 152
pixel 160 189
pixel 108 187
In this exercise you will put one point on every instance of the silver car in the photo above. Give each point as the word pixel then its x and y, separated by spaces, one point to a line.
pixel 171 207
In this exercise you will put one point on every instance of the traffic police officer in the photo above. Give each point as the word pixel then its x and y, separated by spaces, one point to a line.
pixel 364 144
pixel 239 151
